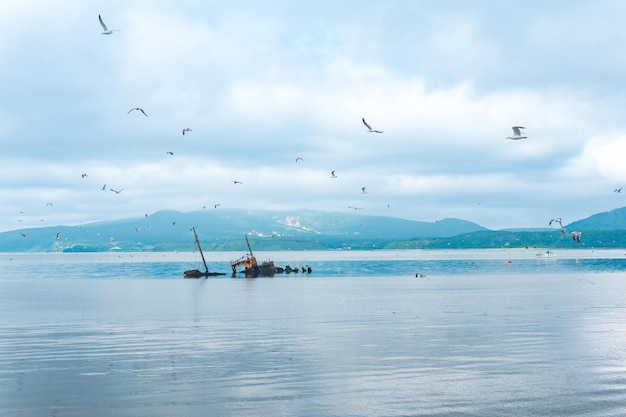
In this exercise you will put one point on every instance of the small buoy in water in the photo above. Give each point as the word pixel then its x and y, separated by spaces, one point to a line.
pixel 509 261
pixel 577 260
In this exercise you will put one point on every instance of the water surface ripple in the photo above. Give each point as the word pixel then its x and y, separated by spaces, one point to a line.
pixel 493 341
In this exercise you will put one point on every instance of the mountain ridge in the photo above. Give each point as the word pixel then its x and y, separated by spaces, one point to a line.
pixel 224 229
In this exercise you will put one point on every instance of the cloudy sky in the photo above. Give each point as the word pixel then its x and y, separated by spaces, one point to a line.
pixel 262 83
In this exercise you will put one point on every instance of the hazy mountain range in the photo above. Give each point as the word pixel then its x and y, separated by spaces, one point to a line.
pixel 224 230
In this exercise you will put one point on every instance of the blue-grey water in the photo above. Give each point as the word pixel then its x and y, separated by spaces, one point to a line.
pixel 484 333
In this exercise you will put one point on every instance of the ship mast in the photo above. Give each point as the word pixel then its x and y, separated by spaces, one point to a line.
pixel 249 248
pixel 200 249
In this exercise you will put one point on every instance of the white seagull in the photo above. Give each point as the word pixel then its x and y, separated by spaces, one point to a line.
pixel 576 236
pixel 104 27
pixel 186 130
pixel 419 275
pixel 369 128
pixel 332 174
pixel 138 109
pixel 363 190
pixel 517 135
pixel 558 220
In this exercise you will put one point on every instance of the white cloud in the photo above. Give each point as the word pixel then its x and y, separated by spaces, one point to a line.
pixel 602 158
pixel 262 85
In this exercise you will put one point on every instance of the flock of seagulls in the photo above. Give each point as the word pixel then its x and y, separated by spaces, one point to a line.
pixel 575 235
pixel 517 135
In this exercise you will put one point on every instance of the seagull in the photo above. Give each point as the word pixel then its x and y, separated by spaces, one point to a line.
pixel 516 133
pixel 618 190
pixel 104 187
pixel 576 236
pixel 557 220
pixel 363 190
pixel 332 174
pixel 186 130
pixel 23 234
pixel 84 175
pixel 170 153
pixel 299 159
pixel 369 128
pixel 116 191
pixel 138 109
pixel 58 235
pixel 418 275
pixel 49 204
pixel 237 182
pixel 104 27
pixel 217 205
pixel 355 208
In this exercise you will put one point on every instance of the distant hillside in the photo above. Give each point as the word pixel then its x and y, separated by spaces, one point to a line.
pixel 610 220
pixel 519 239
pixel 221 229
pixel 224 230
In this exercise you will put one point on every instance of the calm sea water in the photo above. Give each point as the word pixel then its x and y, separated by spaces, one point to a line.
pixel 485 333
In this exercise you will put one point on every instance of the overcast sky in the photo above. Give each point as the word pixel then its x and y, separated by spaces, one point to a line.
pixel 262 83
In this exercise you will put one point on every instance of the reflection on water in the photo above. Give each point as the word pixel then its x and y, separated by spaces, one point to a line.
pixel 498 339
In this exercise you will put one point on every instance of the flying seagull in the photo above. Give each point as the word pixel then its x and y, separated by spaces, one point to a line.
pixel 58 236
pixel 299 159
pixel 576 236
pixel 332 174
pixel 237 182
pixel 369 128
pixel 185 130
pixel 116 191
pixel 170 153
pixel 618 190
pixel 84 175
pixel 138 109
pixel 363 190
pixel 557 220
pixel 104 27
pixel 516 133
pixel 49 204
pixel 104 187
pixel 355 208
